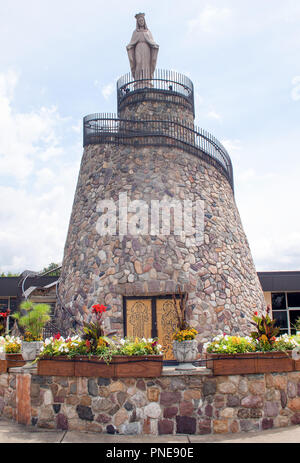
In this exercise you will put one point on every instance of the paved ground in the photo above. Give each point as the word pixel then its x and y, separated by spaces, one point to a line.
pixel 16 433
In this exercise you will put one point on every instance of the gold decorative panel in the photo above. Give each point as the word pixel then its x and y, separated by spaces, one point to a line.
pixel 139 318
pixel 166 325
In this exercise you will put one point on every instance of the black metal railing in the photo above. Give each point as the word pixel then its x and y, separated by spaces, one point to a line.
pixel 108 128
pixel 163 82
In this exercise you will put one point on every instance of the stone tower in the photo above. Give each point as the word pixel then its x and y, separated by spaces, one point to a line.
pixel 150 152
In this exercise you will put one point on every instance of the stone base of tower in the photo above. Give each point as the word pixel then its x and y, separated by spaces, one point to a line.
pixel 219 275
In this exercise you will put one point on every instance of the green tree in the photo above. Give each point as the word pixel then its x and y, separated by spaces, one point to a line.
pixel 9 274
pixel 52 266
pixel 33 321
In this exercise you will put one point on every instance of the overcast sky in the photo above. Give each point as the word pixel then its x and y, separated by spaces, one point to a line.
pixel 60 60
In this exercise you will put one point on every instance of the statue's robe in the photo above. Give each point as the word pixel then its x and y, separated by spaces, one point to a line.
pixel 142 53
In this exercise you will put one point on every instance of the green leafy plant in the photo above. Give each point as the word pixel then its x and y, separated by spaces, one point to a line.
pixel 93 332
pixel 33 317
pixel 266 331
pixel 225 344
pixel 136 346
pixel 10 344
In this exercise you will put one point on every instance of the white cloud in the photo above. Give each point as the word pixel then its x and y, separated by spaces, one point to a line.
pixel 37 182
pixel 267 200
pixel 25 136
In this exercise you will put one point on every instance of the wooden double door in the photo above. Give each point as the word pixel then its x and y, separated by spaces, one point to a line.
pixel 151 317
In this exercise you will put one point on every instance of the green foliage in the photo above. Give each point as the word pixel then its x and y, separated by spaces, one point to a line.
pixel 136 346
pixel 9 274
pixel 266 331
pixel 92 332
pixel 52 266
pixel 105 349
pixel 224 344
pixel 297 324
pixel 33 321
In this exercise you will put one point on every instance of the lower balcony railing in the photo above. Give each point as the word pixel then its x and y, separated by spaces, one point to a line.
pixel 108 128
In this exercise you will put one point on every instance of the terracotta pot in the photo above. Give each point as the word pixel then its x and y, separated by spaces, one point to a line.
pixel 185 352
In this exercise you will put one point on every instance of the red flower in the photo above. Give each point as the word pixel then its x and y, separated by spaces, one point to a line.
pixel 57 336
pixel 87 343
pixel 256 313
pixel 99 308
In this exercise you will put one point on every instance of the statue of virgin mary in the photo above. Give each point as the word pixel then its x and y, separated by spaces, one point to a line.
pixel 142 50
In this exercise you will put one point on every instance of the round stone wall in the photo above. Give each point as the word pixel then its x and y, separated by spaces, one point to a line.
pixel 218 274
pixel 196 404
pixel 156 105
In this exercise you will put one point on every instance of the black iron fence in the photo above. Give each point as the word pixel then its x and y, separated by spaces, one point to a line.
pixel 108 128
pixel 168 83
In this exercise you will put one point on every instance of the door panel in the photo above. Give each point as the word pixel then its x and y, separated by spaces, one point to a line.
pixel 166 325
pixel 139 318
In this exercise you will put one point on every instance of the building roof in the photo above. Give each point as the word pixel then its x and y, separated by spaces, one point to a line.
pixel 12 286
pixel 280 281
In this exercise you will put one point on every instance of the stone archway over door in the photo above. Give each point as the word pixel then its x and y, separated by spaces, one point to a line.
pixel 151 317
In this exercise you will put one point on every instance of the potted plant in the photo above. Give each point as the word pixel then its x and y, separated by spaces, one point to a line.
pixel 93 354
pixel 10 353
pixel 32 318
pixel 135 357
pixel 185 346
pixel 262 352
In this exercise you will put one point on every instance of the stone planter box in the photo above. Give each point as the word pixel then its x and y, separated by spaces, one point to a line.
pixel 148 366
pixel 250 363
pixel 11 361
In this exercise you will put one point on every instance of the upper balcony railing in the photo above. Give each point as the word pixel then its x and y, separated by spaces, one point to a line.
pixel 168 83
pixel 108 128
